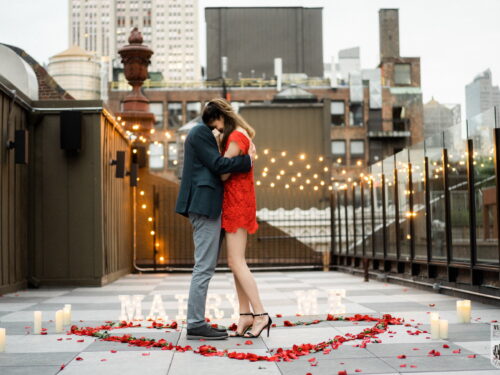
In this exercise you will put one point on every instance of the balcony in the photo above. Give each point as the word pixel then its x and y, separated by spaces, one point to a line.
pixel 400 129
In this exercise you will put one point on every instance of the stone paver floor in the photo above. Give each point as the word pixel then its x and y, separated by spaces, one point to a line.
pixel 45 354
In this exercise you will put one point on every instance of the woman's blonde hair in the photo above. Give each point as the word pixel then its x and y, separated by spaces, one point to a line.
pixel 219 108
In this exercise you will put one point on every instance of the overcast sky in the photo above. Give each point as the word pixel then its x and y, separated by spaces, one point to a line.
pixel 455 39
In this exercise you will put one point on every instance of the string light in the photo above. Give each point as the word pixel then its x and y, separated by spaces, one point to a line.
pixel 152 232
pixel 266 151
pixel 290 163
pixel 283 153
pixel 301 187
pixel 320 158
pixel 282 172
pixel 144 206
pixel 150 219
pixel 135 127
pixel 273 160
pixel 152 131
pixel 142 192
pixel 308 166
pixel 271 184
pixel 287 186
pixel 302 156
pixel 162 259
pixel 258 183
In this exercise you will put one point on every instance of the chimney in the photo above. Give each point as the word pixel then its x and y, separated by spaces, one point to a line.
pixel 389 33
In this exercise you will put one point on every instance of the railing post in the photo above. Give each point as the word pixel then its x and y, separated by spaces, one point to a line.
pixel 496 134
pixel 372 209
pixel 475 277
pixel 363 242
pixel 332 224
pixel 384 213
pixel 354 232
pixel 396 216
pixel 346 223
pixel 411 219
pixel 428 223
pixel 447 203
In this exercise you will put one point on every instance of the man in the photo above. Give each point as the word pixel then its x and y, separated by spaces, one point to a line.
pixel 200 199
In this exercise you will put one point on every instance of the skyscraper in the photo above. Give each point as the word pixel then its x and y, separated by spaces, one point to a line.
pixel 481 95
pixel 170 28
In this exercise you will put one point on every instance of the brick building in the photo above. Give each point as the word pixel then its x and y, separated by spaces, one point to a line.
pixel 377 113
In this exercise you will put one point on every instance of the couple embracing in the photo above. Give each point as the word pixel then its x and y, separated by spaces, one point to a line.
pixel 217 194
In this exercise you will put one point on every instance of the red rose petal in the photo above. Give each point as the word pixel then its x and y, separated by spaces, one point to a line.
pixel 103 360
pixel 312 359
pixel 342 372
pixel 457 351
pixel 403 365
pixel 471 356
pixel 113 351
pixel 401 356
pixel 79 358
pixel 358 370
pixel 446 346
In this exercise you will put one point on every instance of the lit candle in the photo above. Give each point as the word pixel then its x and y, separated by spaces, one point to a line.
pixel 59 321
pixel 434 326
pixel 37 322
pixel 466 311
pixel 460 312
pixel 2 339
pixel 67 314
pixel 443 329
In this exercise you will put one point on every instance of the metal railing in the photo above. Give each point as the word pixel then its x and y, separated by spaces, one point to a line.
pixel 429 211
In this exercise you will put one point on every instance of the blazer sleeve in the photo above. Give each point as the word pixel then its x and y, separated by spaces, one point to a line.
pixel 205 148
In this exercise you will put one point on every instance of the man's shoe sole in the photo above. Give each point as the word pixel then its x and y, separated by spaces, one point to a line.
pixel 193 337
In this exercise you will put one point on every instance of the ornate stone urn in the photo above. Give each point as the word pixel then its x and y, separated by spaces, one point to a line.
pixel 135 58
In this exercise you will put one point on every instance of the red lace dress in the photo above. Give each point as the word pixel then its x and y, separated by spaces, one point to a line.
pixel 239 205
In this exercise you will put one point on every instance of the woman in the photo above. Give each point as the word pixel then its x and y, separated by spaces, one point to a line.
pixel 238 214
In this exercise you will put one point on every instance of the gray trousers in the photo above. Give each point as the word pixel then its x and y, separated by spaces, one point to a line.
pixel 207 240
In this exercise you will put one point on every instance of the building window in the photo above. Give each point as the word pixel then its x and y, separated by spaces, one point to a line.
pixel 338 151
pixel 157 109
pixel 337 113
pixel 356 115
pixel 172 154
pixel 174 114
pixel 402 74
pixel 156 156
pixel 357 150
pixel 193 110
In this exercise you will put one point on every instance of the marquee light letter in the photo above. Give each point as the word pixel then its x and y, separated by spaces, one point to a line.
pixel 157 311
pixel 131 308
pixel 182 306
pixel 307 301
pixel 234 304
pixel 213 303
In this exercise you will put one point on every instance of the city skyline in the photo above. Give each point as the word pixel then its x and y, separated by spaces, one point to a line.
pixel 423 33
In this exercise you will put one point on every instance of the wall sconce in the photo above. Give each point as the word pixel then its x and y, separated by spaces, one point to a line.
pixel 120 164
pixel 20 146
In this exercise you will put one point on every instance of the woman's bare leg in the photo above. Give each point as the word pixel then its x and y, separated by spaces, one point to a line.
pixel 236 245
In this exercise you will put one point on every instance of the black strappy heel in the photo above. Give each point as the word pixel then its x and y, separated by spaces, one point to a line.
pixel 236 334
pixel 268 326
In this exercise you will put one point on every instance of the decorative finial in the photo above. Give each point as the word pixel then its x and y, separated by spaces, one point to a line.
pixel 135 36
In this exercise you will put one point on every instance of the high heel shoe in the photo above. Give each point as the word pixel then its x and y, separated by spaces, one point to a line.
pixel 236 334
pixel 268 326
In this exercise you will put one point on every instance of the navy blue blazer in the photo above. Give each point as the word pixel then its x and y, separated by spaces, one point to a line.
pixel 201 189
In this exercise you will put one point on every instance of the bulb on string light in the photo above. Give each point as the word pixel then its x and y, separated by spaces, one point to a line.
pixel 301 187
pixel 308 166
pixel 302 156
pixel 293 179
pixel 287 186
pixel 339 160
pixel 135 127
pixel 152 131
pixel 142 192
pixel 162 259
pixel 152 232
pixel 266 151
pixel 264 174
pixel 273 160
pixel 290 163
pixel 282 172
pixel 271 184
pixel 278 177
pixel 144 206
pixel 322 183
pixel 119 118
pixel 325 169
pixel 258 183
pixel 283 153
pixel 320 158
pixel 315 175
pixel 299 174
pixel 308 181
pixel 265 169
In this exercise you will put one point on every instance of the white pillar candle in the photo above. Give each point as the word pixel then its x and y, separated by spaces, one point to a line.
pixel 466 311
pixel 443 329
pixel 2 339
pixel 67 314
pixel 59 321
pixel 37 322
pixel 433 315
pixel 435 327
pixel 460 315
